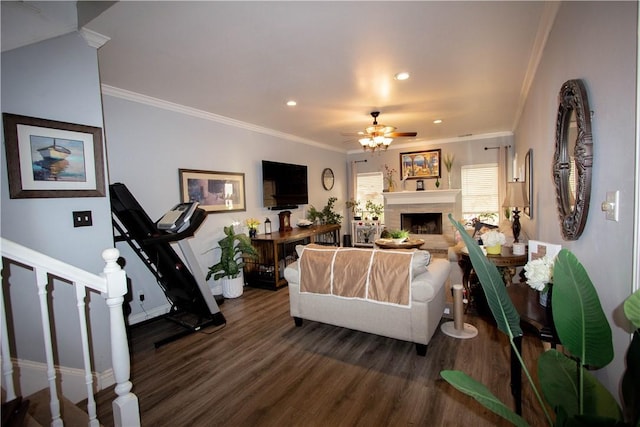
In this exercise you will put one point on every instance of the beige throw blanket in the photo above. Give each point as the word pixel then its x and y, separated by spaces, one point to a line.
pixel 382 276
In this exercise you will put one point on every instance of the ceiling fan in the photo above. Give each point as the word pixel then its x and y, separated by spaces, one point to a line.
pixel 379 137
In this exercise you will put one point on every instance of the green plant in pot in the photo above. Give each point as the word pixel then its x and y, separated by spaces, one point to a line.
pixel 353 205
pixel 375 209
pixel 568 386
pixel 234 247
pixel 399 235
pixel 327 215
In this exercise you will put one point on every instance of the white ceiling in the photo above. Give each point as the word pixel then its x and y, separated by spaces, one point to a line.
pixel 470 62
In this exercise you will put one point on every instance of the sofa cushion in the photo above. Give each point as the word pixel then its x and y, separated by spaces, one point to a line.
pixel 381 276
pixel 419 263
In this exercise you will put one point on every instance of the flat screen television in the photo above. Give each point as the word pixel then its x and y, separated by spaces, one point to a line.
pixel 284 185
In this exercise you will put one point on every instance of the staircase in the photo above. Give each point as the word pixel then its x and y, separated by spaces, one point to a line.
pixel 48 406
pixel 33 411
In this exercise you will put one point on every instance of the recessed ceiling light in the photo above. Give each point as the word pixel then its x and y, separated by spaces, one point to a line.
pixel 401 76
pixel 437 121
pixel 292 103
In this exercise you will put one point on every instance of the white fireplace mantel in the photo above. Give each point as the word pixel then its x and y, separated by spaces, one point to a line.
pixel 425 196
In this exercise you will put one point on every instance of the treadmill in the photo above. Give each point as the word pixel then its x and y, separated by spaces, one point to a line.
pixel 192 304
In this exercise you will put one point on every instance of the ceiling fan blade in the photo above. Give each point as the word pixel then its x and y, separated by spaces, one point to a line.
pixel 351 133
pixel 401 134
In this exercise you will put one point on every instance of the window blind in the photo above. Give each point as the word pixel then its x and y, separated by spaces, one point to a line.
pixel 369 186
pixel 479 189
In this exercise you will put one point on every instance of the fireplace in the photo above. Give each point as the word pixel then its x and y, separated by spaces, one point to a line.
pixel 422 223
pixel 428 211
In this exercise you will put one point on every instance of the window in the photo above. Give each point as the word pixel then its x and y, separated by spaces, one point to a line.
pixel 480 193
pixel 369 186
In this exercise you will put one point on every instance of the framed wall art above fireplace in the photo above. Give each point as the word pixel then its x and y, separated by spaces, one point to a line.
pixel 420 164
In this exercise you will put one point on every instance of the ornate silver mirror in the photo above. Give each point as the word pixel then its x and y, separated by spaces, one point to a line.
pixel 573 158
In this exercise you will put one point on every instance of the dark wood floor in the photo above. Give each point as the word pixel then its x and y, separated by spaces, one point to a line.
pixel 260 370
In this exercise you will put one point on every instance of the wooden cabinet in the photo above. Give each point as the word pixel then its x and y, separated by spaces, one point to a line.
pixel 278 249
pixel 365 232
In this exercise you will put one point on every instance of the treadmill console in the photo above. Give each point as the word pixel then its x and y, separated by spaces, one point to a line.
pixel 178 218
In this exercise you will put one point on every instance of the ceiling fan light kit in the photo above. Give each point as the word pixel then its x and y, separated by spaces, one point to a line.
pixel 379 137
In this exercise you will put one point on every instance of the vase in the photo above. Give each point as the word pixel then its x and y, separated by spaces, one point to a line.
pixel 494 250
pixel 437 182
pixel 232 288
pixel 449 179
pixel 391 187
pixel 253 232
pixel 544 297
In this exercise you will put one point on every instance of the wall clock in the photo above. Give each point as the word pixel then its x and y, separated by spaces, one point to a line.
pixel 327 179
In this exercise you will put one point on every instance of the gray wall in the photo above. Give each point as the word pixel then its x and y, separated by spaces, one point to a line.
pixel 56 79
pixel 596 42
pixel 147 145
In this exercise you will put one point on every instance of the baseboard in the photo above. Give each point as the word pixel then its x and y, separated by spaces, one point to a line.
pixel 33 377
pixel 149 314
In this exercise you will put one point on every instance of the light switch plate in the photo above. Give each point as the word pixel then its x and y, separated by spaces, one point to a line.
pixel 82 219
pixel 612 199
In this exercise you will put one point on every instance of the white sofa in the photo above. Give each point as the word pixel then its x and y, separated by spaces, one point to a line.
pixel 414 323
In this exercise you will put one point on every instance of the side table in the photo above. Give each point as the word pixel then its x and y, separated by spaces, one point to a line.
pixel 525 300
pixel 506 262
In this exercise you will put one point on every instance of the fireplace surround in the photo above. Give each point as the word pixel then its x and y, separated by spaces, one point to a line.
pixel 423 204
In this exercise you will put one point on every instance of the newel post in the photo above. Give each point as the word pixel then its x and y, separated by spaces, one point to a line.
pixel 126 412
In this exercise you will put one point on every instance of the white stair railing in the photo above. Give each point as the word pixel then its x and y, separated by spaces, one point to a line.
pixel 112 285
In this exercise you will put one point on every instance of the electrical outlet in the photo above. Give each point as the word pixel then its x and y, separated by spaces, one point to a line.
pixel 141 296
pixel 82 219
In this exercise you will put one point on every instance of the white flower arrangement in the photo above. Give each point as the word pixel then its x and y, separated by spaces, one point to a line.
pixel 493 238
pixel 539 272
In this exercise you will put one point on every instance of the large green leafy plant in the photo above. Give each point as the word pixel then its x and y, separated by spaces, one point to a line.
pixel 575 395
pixel 234 248
pixel 327 215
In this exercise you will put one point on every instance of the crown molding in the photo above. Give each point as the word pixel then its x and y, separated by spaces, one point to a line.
pixel 93 39
pixel 544 28
pixel 193 112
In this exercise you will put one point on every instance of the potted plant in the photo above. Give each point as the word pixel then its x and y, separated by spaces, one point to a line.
pixel 252 224
pixel 327 215
pixel 388 178
pixel 565 378
pixel 399 236
pixel 375 209
pixel 448 163
pixel 234 247
pixel 493 241
pixel 353 205
pixel 366 231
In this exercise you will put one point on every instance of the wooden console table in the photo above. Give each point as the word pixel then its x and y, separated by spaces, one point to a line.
pixel 278 249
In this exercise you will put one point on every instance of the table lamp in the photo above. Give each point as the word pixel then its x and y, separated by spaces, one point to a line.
pixel 516 198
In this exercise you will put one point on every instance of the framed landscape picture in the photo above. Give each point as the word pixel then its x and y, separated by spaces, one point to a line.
pixel 214 191
pixel 47 158
pixel 420 164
